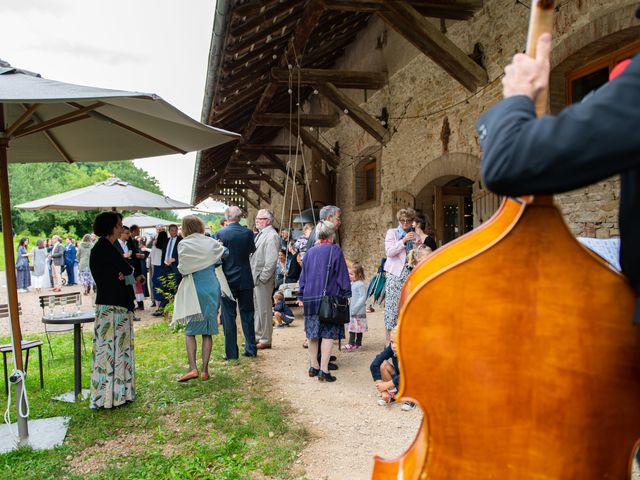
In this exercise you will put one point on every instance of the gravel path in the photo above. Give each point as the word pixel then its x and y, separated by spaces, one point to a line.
pixel 347 425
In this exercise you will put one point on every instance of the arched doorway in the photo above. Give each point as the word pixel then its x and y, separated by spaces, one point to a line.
pixel 448 191
pixel 447 202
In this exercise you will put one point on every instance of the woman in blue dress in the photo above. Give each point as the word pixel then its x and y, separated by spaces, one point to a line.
pixel 23 274
pixel 198 296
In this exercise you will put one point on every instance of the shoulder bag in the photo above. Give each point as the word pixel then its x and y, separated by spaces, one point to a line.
pixel 333 308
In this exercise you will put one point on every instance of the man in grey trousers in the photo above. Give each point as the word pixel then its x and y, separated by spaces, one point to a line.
pixel 263 268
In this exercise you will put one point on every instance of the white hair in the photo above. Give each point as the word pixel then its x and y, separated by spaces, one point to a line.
pixel 233 213
pixel 325 230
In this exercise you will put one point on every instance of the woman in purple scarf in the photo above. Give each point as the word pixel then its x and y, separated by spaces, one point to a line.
pixel 324 255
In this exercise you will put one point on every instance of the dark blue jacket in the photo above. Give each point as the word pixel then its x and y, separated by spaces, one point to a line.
pixel 587 142
pixel 236 267
pixel 386 354
pixel 70 254
pixel 174 254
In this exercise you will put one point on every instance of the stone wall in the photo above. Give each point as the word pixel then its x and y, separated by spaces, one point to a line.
pixel 422 101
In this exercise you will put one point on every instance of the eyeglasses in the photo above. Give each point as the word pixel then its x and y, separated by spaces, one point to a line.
pixel 405 220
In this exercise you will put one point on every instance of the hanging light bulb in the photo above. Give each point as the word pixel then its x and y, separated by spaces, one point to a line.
pixel 346 111
pixel 315 91
pixel 290 66
pixel 290 91
pixel 274 56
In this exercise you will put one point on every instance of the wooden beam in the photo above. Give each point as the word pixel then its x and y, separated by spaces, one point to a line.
pixel 306 120
pixel 340 78
pixel 309 20
pixel 260 148
pixel 267 178
pixel 408 22
pixel 245 185
pixel 370 124
pixel 312 142
pixel 250 200
pixel 260 193
pixel 238 175
pixel 450 9
pixel 282 166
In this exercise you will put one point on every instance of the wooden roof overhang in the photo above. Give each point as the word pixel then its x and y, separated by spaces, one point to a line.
pixel 268 44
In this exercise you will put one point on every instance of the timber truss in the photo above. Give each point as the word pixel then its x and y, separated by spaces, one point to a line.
pixel 271 49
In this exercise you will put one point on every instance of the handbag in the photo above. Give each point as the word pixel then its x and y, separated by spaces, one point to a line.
pixel 334 309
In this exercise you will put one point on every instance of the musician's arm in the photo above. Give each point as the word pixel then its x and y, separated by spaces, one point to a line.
pixel 585 143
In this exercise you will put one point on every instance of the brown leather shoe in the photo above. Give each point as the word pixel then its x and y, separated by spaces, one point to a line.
pixel 204 376
pixel 188 376
pixel 263 346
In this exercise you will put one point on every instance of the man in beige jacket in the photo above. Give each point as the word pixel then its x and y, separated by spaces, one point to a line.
pixel 263 268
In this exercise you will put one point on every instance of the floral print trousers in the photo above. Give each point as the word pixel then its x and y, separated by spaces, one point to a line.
pixel 112 362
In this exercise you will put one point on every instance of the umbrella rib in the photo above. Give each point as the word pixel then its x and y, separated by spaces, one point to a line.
pixel 138 132
pixel 52 140
pixel 58 121
pixel 23 118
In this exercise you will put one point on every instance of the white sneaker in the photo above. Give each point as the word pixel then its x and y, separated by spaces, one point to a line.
pixel 407 406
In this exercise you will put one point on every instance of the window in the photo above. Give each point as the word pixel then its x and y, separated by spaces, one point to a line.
pixel 367 179
pixel 370 181
pixel 592 76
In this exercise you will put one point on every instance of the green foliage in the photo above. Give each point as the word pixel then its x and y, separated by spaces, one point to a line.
pixel 168 289
pixel 226 428
pixel 36 180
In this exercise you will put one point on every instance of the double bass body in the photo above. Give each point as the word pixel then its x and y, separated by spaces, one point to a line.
pixel 517 343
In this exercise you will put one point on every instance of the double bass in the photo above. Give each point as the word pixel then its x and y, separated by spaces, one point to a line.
pixel 517 343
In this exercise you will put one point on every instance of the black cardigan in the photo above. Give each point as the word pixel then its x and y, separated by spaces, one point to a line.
pixel 106 264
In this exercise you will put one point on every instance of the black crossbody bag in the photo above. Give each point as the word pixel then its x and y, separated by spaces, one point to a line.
pixel 333 308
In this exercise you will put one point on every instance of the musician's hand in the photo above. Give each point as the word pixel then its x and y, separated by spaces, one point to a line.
pixel 528 76
pixel 120 276
pixel 299 303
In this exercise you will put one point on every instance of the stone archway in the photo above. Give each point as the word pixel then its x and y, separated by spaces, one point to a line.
pixel 600 35
pixel 449 192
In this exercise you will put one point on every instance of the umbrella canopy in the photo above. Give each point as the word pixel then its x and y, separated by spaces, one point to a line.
pixel 44 120
pixel 144 221
pixel 307 216
pixel 50 121
pixel 112 193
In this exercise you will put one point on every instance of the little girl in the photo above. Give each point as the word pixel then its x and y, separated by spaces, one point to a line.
pixel 358 323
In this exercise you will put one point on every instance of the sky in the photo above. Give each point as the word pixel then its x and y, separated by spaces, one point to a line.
pixel 153 46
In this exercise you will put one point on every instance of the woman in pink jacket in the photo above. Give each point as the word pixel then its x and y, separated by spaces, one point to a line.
pixel 397 243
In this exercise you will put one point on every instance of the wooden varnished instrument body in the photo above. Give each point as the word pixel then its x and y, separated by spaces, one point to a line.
pixel 517 343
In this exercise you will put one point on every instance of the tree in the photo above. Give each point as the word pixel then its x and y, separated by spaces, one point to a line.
pixel 36 180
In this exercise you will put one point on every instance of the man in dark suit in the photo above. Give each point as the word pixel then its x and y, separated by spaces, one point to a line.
pixel 170 262
pixel 587 142
pixel 237 269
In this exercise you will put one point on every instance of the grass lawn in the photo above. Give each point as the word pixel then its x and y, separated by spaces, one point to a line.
pixel 226 428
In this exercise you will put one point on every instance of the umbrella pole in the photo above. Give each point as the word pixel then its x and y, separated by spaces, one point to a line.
pixel 12 286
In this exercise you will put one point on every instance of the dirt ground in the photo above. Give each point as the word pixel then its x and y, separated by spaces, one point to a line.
pixel 347 425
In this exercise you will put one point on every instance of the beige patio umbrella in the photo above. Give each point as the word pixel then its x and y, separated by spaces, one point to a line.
pixel 145 221
pixel 44 120
pixel 112 193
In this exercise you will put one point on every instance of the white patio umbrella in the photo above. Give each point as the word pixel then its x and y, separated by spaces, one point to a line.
pixel 44 120
pixel 113 193
pixel 145 221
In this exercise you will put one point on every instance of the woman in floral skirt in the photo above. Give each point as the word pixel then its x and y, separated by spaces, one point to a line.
pixel 112 363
